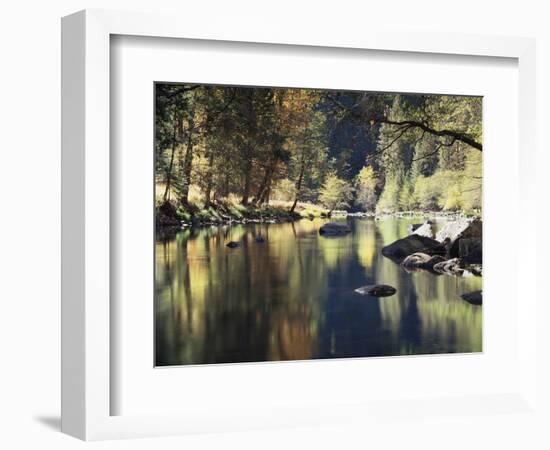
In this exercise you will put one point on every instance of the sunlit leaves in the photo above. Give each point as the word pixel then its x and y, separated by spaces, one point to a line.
pixel 335 193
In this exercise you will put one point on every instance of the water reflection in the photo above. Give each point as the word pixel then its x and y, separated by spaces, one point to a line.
pixel 292 297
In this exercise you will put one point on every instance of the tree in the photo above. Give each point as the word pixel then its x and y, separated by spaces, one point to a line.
pixel 448 117
pixel 389 199
pixel 252 144
pixel 406 196
pixel 335 193
pixel 285 190
pixel 304 128
pixel 428 192
pixel 170 107
pixel 365 188
pixel 471 195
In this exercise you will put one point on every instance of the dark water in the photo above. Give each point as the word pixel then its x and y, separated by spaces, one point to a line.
pixel 293 297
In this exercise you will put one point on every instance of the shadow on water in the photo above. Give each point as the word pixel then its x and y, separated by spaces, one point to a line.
pixel 292 297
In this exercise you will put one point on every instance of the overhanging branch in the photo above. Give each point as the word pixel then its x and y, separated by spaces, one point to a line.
pixel 408 125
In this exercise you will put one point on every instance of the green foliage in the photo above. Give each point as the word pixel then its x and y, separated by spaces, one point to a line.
pixel 365 188
pixel 312 211
pixel 445 190
pixel 472 183
pixel 426 159
pixel 217 145
pixel 183 214
pixel 427 192
pixel 389 199
pixel 335 193
pixel 407 199
pixel 285 190
pixel 427 171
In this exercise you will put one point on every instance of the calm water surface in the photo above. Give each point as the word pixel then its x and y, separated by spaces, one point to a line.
pixel 293 297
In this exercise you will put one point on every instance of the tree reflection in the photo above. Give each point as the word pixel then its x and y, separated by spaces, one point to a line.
pixel 292 297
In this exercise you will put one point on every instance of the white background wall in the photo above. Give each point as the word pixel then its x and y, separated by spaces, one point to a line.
pixel 30 197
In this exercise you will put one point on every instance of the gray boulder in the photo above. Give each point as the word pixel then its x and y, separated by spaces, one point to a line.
pixel 233 244
pixel 334 229
pixel 414 243
pixel 422 261
pixel 376 290
pixel 455 230
pixel 475 298
pixel 422 229
pixel 470 250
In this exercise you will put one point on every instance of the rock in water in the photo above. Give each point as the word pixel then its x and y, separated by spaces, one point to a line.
pixel 233 244
pixel 470 250
pixel 476 270
pixel 475 298
pixel 259 239
pixel 376 290
pixel 453 231
pixel 402 248
pixel 334 229
pixel 416 259
pixel 449 267
pixel 422 229
pixel 421 261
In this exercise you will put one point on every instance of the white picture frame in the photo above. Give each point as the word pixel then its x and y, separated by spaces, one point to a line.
pixel 86 218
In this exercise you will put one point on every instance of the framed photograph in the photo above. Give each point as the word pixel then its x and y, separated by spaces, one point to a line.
pixel 266 230
pixel 285 215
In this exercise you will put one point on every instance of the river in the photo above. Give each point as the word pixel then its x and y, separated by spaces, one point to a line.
pixel 292 297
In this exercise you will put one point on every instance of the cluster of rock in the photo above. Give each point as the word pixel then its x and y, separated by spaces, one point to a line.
pixel 235 244
pixel 167 217
pixel 457 249
pixel 229 220
pixel 361 214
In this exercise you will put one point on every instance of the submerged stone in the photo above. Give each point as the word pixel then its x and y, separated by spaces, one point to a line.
pixel 334 229
pixel 377 290
pixel 421 261
pixel 475 298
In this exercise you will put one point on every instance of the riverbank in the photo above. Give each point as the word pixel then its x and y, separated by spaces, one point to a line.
pixel 168 216
pixel 443 215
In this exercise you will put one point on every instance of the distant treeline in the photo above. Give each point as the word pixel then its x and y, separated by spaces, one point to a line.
pixel 341 150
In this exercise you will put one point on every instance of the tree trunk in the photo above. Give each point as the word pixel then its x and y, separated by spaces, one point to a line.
pixel 166 195
pixel 267 192
pixel 186 167
pixel 209 180
pixel 298 185
pixel 247 181
pixel 226 184
pixel 266 182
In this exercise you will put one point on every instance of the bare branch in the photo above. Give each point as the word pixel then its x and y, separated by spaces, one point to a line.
pixel 411 124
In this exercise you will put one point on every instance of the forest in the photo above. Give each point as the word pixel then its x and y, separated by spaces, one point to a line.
pixel 226 152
